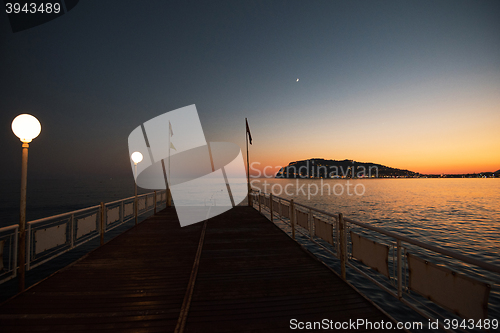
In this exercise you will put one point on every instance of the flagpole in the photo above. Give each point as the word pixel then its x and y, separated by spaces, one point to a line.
pixel 169 197
pixel 248 164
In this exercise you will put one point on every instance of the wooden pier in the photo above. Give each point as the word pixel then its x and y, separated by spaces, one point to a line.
pixel 237 272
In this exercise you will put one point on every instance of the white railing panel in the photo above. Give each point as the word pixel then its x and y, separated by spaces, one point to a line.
pixel 323 230
pixel 46 239
pixel 8 252
pixel 129 209
pixel 285 210
pixel 2 244
pixel 302 219
pixel 458 293
pixel 141 204
pixel 113 215
pixel 151 201
pixel 371 253
pixel 86 225
pixel 276 206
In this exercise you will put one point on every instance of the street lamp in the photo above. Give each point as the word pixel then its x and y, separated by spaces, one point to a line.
pixel 136 158
pixel 26 128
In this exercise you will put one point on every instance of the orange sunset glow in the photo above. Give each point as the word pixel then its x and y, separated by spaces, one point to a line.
pixel 416 128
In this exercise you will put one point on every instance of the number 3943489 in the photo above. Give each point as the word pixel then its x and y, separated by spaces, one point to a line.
pixel 48 8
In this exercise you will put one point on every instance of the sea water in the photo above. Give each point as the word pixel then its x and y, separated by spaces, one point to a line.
pixel 47 197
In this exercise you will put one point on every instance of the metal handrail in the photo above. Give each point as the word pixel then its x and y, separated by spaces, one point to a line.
pixel 129 198
pixel 14 226
pixel 62 215
pixel 120 200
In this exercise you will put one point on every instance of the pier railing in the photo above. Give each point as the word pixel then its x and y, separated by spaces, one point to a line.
pixel 49 237
pixel 425 277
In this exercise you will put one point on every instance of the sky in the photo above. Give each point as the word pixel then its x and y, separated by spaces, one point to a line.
pixel 409 84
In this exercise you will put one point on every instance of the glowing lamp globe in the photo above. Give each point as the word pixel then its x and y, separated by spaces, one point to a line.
pixel 136 157
pixel 26 127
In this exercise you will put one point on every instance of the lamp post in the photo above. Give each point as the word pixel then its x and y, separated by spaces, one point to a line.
pixel 136 158
pixel 26 128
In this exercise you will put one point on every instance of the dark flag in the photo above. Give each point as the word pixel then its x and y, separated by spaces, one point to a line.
pixel 248 165
pixel 248 131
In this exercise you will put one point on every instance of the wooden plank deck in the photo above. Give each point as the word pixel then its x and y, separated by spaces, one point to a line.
pixel 250 277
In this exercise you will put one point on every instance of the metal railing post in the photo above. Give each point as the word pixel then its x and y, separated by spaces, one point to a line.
pixel 337 236
pixel 292 218
pixel 280 215
pixel 310 223
pixel 260 208
pixel 28 248
pixel 122 212
pixel 136 203
pixel 14 250
pixel 342 246
pixel 103 222
pixel 400 270
pixel 271 206
pixel 72 231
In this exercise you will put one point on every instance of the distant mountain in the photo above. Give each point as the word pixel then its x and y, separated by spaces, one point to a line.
pixel 321 168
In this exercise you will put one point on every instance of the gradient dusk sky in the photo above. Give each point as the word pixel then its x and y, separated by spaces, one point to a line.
pixel 409 84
